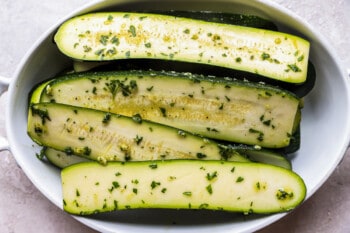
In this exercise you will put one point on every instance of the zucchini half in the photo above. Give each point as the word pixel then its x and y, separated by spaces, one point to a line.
pixel 219 108
pixel 104 137
pixel 90 188
pixel 125 35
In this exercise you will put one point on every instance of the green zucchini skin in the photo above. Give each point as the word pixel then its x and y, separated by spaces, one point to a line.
pixel 104 137
pixel 122 35
pixel 223 17
pixel 90 188
pixel 224 109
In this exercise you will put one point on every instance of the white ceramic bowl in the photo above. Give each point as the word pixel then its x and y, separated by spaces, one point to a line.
pixel 325 124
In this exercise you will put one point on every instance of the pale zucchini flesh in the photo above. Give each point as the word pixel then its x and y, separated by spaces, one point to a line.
pixel 123 35
pixel 105 137
pixel 61 159
pixel 225 109
pixel 90 188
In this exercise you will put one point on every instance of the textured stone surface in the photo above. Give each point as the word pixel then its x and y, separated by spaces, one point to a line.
pixel 24 209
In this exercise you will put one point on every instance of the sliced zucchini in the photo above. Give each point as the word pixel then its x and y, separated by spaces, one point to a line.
pixel 104 137
pixel 124 35
pixel 225 109
pixel 299 90
pixel 218 17
pixel 90 188
pixel 61 159
pixel 262 155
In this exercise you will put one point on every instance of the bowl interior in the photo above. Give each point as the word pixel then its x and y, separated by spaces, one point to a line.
pixel 324 131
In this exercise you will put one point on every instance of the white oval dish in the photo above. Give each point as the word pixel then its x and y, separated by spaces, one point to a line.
pixel 325 123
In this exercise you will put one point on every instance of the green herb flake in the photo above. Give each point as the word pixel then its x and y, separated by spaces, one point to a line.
pixel 115 184
pixel 153 166
pixel 216 37
pixel 38 130
pixel 99 52
pixel 239 179
pixel 283 194
pixel 233 169
pixel 201 155
pixel 301 58
pixel 212 130
pixel 132 30
pixel 211 176
pixel 294 68
pixel 257 185
pixel 148 45
pixel 260 134
pixel 187 193
pixel 154 184
pixel 187 31
pixel 267 122
pixel 115 40
pixel 138 139
pixel 77 193
pixel 106 118
pixel 134 190
pixel 94 90
pixel 41 155
pixel 163 111
pixel 104 39
pixel 265 56
pixel 209 189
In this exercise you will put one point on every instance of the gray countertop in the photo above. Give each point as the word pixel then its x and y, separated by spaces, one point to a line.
pixel 24 209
